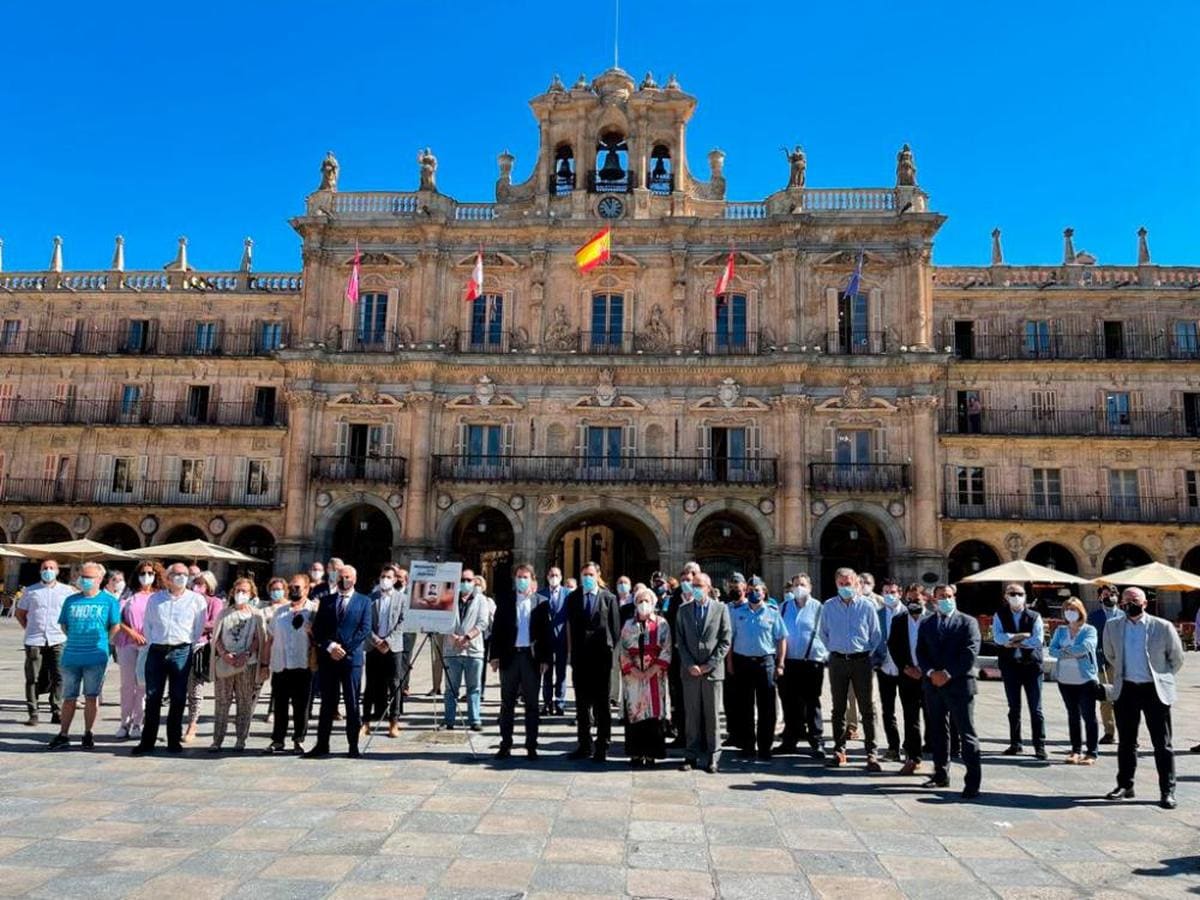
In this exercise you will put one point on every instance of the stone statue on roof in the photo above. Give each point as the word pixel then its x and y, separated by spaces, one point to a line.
pixel 329 172
pixel 428 164
pixel 906 169
pixel 799 164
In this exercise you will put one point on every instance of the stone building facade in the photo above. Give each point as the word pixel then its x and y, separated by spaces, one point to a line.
pixel 927 424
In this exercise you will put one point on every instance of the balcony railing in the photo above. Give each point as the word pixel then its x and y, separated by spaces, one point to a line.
pixel 856 343
pixel 608 343
pixel 605 470
pixel 879 478
pixel 1059 507
pixel 368 340
pixel 20 411
pixel 73 491
pixel 720 343
pixel 1087 422
pixel 151 342
pixel 370 468
pixel 141 282
pixel 1087 345
pixel 623 185
pixel 488 342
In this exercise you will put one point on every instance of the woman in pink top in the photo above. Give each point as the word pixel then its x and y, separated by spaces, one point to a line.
pixel 147 578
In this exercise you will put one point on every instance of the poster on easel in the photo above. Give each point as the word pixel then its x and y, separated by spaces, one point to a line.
pixel 432 590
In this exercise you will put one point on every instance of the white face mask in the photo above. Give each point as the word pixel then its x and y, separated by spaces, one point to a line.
pixel 622 589
pixel 179 580
pixel 554 581
pixel 1016 602
pixel 645 609
pixel 387 583
pixel 116 587
pixel 241 598
pixel 1071 616
pixel 317 575
pixel 146 579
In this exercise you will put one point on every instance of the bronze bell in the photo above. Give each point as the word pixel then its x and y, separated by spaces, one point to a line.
pixel 564 169
pixel 660 167
pixel 611 170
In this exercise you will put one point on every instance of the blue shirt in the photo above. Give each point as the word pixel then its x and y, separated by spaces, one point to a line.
pixel 1136 659
pixel 850 627
pixel 756 633
pixel 86 622
pixel 799 622
pixel 1037 632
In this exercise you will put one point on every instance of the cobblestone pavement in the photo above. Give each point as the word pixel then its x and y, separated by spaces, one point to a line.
pixel 431 815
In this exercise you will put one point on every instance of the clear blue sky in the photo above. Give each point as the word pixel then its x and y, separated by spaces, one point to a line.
pixel 210 119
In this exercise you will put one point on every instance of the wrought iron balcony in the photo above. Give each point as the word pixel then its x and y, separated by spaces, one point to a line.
pixel 1071 345
pixel 870 478
pixel 370 468
pixel 488 342
pixel 856 343
pixel 1059 507
pixel 20 411
pixel 81 491
pixel 150 342
pixel 1087 422
pixel 366 340
pixel 721 343
pixel 604 470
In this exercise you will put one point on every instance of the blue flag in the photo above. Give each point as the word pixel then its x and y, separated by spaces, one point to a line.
pixel 852 285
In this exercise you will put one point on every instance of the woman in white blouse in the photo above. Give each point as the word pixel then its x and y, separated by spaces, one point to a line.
pixel 290 642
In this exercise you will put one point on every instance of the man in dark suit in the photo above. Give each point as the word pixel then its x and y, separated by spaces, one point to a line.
pixel 593 629
pixel 902 645
pixel 341 626
pixel 522 650
pixel 947 648
pixel 554 681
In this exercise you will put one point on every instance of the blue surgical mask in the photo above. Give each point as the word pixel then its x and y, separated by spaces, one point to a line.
pixel 891 599
pixel 685 589
pixel 276 594
pixel 48 575
pixel 466 587
pixel 522 584
pixel 946 605
pixel 588 582
pixel 845 591
pixel 86 584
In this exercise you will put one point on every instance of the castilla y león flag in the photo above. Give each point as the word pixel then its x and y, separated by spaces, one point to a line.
pixel 595 251
pixel 475 285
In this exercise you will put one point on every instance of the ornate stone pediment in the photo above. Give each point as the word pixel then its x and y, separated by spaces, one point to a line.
pixel 366 394
pixel 741 260
pixel 856 395
pixel 492 259
pixel 847 258
pixel 376 259
pixel 484 395
pixel 729 396
pixel 606 396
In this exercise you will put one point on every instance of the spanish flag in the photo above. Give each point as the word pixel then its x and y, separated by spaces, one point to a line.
pixel 594 252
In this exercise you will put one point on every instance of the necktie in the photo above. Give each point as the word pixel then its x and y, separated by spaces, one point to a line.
pixel 591 604
pixel 700 615
pixel 342 602
pixel 941 624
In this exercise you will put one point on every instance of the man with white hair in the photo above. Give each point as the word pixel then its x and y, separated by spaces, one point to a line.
pixel 1145 653
pixel 89 619
pixel 340 628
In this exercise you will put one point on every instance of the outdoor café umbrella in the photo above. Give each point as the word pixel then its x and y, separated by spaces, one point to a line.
pixel 5 553
pixel 194 550
pixel 68 551
pixel 1021 570
pixel 1153 575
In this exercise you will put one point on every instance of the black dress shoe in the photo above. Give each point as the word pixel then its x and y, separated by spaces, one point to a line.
pixel 354 753
pixel 1040 753
pixel 580 753
pixel 55 719
pixel 503 753
pixel 1109 739
pixel 1120 793
pixel 141 749
pixel 786 749
pixel 970 793
pixel 531 753
pixel 317 752
pixel 936 782
pixel 1014 750
pixel 1168 800
pixel 174 748
pixel 1196 749
pixel 599 755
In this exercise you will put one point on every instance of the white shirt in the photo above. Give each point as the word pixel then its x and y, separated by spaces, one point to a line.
pixel 289 645
pixel 524 614
pixel 889 666
pixel 42 604
pixel 914 626
pixel 175 620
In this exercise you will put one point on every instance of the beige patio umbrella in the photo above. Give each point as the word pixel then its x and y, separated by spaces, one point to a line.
pixel 1153 575
pixel 194 550
pixel 1021 570
pixel 5 553
pixel 68 551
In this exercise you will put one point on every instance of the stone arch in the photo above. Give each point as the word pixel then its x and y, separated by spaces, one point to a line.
pixel 585 508
pixel 327 519
pixel 117 534
pixel 455 511
pixel 740 508
pixel 1045 552
pixel 1110 563
pixel 45 531
pixel 877 514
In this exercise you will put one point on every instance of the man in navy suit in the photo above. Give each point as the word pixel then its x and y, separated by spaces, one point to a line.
pixel 947 648
pixel 593 630
pixel 554 681
pixel 341 626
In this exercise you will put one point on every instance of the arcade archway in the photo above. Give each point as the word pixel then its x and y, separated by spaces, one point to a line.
pixel 182 533
pixel 1191 599
pixel 123 537
pixel 1053 556
pixel 966 559
pixel 362 538
pixel 42 533
pixel 1124 556
pixel 256 541
pixel 726 543
pixel 856 541
pixel 483 539
pixel 618 543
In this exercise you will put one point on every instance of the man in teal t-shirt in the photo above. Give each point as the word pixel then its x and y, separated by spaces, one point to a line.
pixel 90 620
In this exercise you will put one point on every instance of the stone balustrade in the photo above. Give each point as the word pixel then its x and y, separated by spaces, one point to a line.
pixel 1071 276
pixel 145 282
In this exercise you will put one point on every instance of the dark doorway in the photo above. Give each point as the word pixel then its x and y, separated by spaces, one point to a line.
pixel 964 338
pixel 363 539
pixel 618 544
pixel 966 559
pixel 1114 340
pixel 856 542
pixel 725 544
pixel 1191 413
pixel 483 542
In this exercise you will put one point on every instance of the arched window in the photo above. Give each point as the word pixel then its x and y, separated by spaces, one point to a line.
pixel 661 179
pixel 611 174
pixel 487 323
pixel 562 179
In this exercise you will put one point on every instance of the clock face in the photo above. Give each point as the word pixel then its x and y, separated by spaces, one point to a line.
pixel 610 208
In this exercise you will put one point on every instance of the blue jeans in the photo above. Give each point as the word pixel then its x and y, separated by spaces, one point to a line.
pixel 1024 678
pixel 91 678
pixel 165 664
pixel 469 668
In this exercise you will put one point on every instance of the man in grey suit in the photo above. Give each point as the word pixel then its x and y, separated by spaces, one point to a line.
pixel 385 664
pixel 702 638
pixel 1144 652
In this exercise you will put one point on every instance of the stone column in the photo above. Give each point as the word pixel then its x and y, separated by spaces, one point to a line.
pixel 924 506
pixel 297 539
pixel 416 504
pixel 792 531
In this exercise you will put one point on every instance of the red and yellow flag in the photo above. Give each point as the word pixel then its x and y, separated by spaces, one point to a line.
pixel 595 251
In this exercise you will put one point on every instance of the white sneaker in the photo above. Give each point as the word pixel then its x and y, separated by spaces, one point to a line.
pixel 122 733
pixel 135 732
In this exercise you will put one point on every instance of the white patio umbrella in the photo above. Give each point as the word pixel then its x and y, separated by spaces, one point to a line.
pixel 1153 575
pixel 1022 570
pixel 68 551
pixel 194 550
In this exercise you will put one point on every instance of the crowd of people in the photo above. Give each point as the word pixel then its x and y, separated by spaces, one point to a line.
pixel 675 657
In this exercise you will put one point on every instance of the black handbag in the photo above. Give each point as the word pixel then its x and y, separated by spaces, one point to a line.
pixel 202 664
